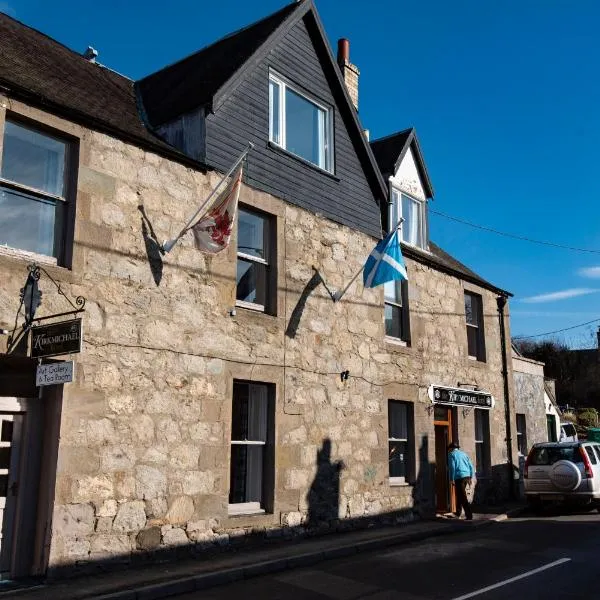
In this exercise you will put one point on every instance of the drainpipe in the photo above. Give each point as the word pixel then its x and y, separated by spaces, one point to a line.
pixel 501 301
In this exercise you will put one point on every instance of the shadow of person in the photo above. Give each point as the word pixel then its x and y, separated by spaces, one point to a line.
pixel 324 493
pixel 154 250
pixel 423 492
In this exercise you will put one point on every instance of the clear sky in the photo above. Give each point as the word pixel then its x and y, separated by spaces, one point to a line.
pixel 505 97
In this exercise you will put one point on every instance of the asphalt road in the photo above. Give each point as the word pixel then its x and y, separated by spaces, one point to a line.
pixel 555 557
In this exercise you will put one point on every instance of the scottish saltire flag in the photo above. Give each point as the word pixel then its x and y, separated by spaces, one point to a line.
pixel 385 263
pixel 212 231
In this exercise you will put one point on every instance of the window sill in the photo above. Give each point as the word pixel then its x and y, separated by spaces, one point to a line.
pixel 244 510
pixel 397 345
pixel 399 484
pixel 41 259
pixel 259 308
pixel 476 362
pixel 273 146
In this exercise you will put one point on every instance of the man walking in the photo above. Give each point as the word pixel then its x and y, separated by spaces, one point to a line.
pixel 460 472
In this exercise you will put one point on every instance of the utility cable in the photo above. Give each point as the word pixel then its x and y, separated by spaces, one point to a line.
pixel 512 235
pixel 526 337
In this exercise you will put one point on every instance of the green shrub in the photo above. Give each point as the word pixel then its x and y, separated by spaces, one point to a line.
pixel 588 417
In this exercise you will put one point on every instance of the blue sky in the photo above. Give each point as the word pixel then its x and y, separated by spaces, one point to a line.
pixel 504 96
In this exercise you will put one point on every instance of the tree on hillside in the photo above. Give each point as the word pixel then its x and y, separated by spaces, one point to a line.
pixel 577 372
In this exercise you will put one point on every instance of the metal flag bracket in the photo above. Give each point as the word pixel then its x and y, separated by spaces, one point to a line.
pixel 31 299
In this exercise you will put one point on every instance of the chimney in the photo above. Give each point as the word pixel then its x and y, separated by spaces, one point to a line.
pixel 90 54
pixel 349 71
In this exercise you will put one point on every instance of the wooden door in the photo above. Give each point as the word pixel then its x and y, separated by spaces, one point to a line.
pixel 445 501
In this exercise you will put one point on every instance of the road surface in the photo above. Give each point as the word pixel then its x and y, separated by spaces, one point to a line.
pixel 554 557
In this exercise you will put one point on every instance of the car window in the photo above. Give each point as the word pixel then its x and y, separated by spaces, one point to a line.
pixel 591 454
pixel 548 455
pixel 597 449
pixel 569 429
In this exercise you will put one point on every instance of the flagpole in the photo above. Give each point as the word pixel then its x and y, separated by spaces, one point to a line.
pixel 337 296
pixel 169 244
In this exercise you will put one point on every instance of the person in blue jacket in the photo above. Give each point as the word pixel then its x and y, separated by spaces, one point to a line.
pixel 460 472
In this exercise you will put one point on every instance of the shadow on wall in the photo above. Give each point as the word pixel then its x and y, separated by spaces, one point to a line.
pixel 154 251
pixel 494 490
pixel 322 518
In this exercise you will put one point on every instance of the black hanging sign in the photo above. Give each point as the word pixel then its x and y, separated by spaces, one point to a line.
pixel 56 339
pixel 460 397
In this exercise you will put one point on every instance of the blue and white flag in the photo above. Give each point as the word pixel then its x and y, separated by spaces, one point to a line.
pixel 385 263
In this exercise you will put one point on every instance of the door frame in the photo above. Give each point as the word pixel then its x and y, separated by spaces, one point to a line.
pixel 450 424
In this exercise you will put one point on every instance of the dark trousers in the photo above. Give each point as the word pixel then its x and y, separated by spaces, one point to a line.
pixel 461 498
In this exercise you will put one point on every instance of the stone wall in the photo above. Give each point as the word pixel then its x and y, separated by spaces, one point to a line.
pixel 144 448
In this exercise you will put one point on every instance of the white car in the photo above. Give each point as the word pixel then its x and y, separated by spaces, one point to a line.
pixel 568 433
pixel 567 471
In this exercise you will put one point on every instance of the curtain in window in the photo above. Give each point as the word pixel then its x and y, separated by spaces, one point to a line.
pixel 257 431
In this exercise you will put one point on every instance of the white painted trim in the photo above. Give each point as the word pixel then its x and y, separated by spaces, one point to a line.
pixel 398 482
pixel 250 306
pixel 394 340
pixel 327 143
pixel 251 258
pixel 247 443
pixel 245 508
pixel 9 404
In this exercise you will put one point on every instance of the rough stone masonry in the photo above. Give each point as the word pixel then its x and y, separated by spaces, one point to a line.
pixel 145 428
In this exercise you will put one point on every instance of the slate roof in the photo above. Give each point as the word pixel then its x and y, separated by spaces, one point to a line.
pixel 193 81
pixel 37 68
pixel 390 150
pixel 442 261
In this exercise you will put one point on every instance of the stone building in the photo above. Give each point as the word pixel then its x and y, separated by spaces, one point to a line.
pixel 223 396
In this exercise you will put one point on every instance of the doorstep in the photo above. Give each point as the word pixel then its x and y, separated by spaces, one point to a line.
pixel 168 579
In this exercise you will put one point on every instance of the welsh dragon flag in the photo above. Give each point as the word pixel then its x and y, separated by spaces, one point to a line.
pixel 212 230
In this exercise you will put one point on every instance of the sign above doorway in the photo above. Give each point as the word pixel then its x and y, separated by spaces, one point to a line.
pixel 54 373
pixel 56 338
pixel 440 394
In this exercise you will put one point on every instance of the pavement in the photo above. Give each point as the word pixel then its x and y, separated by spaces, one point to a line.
pixel 150 582
pixel 552 557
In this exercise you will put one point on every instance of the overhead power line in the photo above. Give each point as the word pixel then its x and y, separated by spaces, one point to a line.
pixel 514 236
pixel 526 337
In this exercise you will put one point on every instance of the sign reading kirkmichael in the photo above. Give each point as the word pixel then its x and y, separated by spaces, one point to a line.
pixel 440 394
pixel 56 338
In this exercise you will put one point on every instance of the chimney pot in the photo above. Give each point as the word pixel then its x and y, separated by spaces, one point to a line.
pixel 90 54
pixel 343 51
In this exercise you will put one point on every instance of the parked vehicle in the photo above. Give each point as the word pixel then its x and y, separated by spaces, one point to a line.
pixel 568 433
pixel 567 471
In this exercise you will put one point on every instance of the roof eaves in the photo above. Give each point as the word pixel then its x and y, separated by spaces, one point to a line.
pixel 354 115
pixel 159 146
pixel 413 141
pixel 259 54
pixel 430 261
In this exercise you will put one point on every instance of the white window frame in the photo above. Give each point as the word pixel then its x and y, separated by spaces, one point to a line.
pixel 403 340
pixel 486 451
pixel 250 508
pixel 256 259
pixel 396 194
pixel 479 328
pixel 31 191
pixel 327 144
pixel 394 481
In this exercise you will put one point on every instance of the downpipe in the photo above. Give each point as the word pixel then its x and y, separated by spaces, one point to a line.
pixel 501 302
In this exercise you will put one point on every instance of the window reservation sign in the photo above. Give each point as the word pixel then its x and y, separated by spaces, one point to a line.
pixel 440 394
pixel 56 339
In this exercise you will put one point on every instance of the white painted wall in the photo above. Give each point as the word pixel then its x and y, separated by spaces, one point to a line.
pixel 552 410
pixel 407 177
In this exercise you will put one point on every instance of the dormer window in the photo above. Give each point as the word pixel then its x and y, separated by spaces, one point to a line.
pixel 413 211
pixel 300 124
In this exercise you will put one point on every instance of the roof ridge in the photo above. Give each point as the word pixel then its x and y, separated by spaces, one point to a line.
pixel 61 44
pixel 392 135
pixel 221 39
